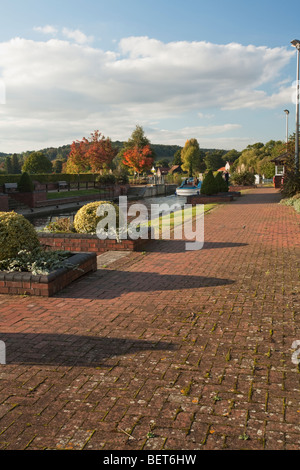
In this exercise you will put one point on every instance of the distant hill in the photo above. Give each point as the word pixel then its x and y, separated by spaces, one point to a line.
pixel 161 151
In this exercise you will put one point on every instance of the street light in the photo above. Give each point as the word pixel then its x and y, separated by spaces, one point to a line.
pixel 296 43
pixel 287 126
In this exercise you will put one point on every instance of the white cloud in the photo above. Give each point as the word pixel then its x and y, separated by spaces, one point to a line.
pixel 48 29
pixel 58 90
pixel 77 35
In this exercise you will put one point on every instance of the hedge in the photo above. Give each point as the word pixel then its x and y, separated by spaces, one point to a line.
pixel 52 178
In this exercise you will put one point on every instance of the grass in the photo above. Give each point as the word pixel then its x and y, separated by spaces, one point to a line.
pixel 175 218
pixel 81 192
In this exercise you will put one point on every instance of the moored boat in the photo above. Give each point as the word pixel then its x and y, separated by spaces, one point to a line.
pixel 188 189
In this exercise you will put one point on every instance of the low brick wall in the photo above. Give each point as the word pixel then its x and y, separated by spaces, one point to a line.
pixel 112 192
pixel 203 199
pixel 48 285
pixel 4 203
pixel 71 200
pixel 30 199
pixel 78 242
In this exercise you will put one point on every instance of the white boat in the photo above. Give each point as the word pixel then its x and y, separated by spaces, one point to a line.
pixel 188 189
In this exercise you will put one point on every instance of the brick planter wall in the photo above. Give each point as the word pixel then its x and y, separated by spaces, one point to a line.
pixel 78 242
pixel 48 285
pixel 30 199
pixel 203 199
pixel 4 203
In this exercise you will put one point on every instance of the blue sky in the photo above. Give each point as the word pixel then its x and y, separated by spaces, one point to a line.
pixel 219 71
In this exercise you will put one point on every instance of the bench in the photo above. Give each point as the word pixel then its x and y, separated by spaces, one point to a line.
pixel 62 185
pixel 10 187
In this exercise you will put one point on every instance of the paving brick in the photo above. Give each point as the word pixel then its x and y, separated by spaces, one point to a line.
pixel 192 346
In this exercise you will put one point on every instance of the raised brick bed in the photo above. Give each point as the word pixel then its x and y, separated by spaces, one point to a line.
pixel 4 203
pixel 241 188
pixel 87 243
pixel 32 199
pixel 48 285
pixel 204 199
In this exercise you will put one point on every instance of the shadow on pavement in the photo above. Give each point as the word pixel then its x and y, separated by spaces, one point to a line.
pixel 262 197
pixel 179 246
pixel 69 350
pixel 111 284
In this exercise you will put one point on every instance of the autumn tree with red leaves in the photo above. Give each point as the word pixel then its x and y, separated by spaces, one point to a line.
pixel 138 158
pixel 90 155
pixel 137 153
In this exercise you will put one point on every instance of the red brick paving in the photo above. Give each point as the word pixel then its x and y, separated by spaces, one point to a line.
pixel 191 347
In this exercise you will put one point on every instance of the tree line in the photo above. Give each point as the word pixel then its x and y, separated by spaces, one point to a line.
pixel 97 153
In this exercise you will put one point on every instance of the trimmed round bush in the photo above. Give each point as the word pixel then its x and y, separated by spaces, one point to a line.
pixel 209 185
pixel 86 220
pixel 16 234
pixel 25 184
pixel 222 186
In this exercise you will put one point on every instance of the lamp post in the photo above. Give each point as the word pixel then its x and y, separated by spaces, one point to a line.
pixel 287 127
pixel 296 43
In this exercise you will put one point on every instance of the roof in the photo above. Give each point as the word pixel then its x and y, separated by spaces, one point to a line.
pixel 164 170
pixel 281 158
pixel 175 168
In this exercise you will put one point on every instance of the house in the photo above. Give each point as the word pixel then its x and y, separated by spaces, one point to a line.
pixel 280 168
pixel 225 168
pixel 175 169
pixel 162 171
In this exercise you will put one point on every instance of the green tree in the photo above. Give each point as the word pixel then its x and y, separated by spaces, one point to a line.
pixel 192 157
pixel 57 165
pixel 214 160
pixel 15 163
pixel 163 162
pixel 177 158
pixel 8 165
pixel 231 156
pixel 137 141
pixel 36 163
pixel 257 158
pixel 266 168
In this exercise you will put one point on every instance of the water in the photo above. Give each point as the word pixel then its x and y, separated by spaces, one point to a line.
pixel 40 222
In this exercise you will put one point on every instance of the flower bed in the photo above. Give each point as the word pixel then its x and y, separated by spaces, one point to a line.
pixel 26 283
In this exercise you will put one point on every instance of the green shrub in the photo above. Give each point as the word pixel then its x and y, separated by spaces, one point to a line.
pixel 106 180
pixel 246 178
pixel 36 261
pixel 25 184
pixel 291 184
pixel 60 225
pixel 16 234
pixel 297 205
pixel 287 202
pixel 209 185
pixel 52 178
pixel 221 184
pixel 121 177
pixel 86 220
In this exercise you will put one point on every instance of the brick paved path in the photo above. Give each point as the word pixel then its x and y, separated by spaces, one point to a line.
pixel 167 349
